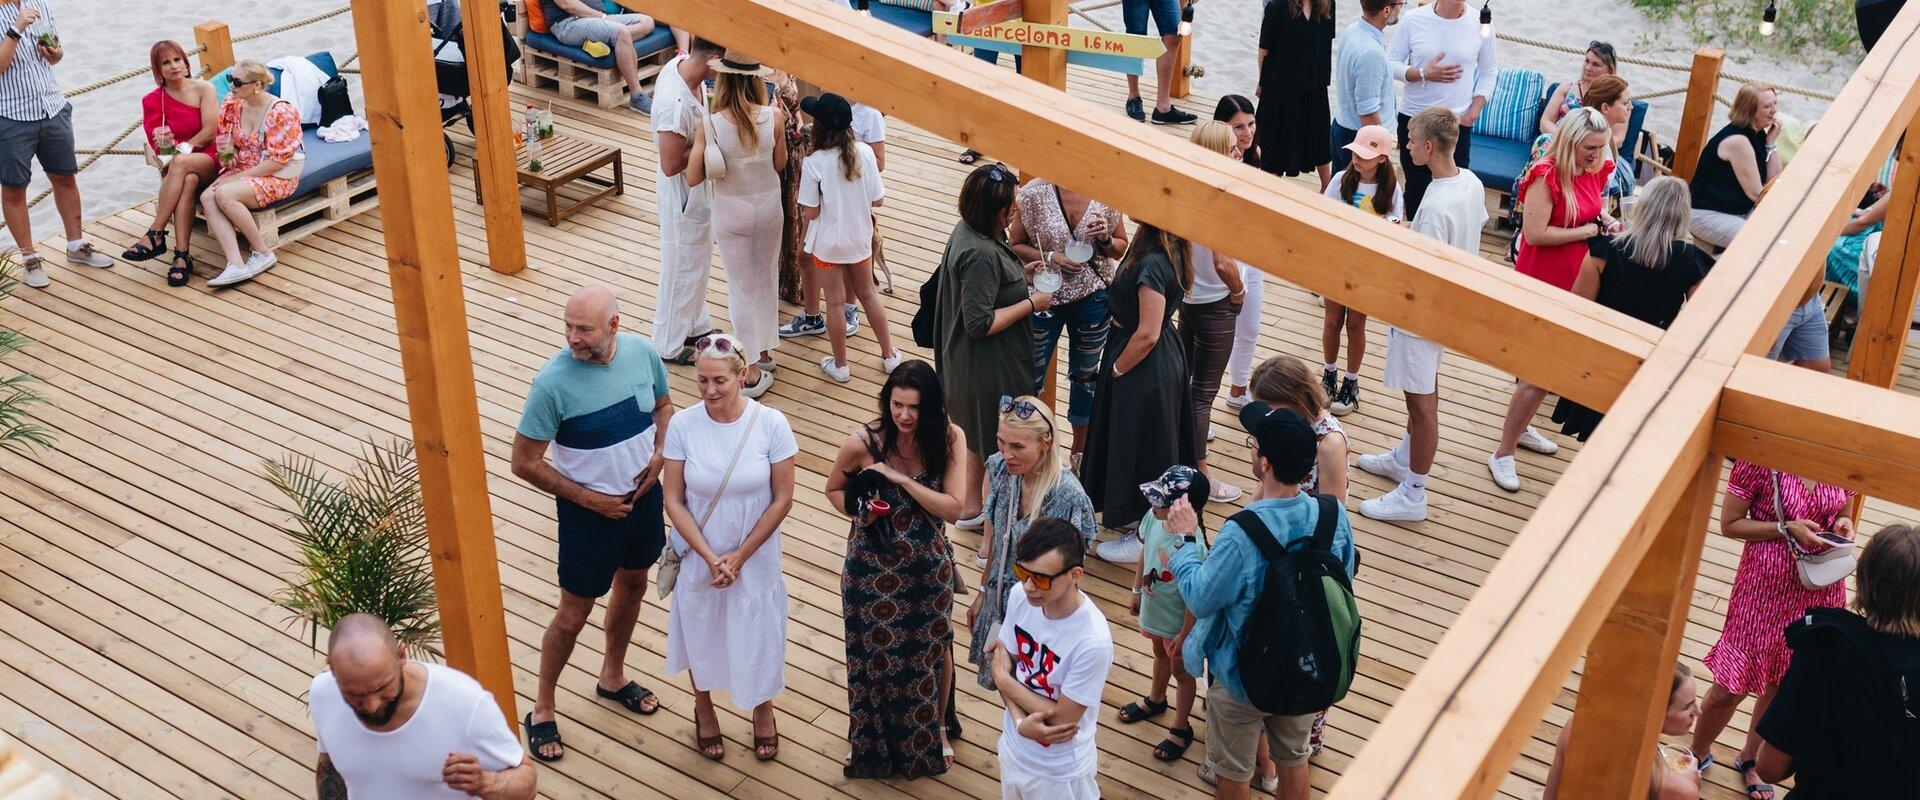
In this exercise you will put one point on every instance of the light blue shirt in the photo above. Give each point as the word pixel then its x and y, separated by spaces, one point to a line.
pixel 1221 589
pixel 1363 82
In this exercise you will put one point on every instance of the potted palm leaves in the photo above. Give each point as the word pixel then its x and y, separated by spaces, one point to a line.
pixel 17 430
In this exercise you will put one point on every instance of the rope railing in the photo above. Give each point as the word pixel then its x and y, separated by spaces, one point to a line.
pixel 1666 65
pixel 124 133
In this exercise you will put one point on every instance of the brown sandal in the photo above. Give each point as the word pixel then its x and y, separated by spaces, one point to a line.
pixel 770 745
pixel 713 748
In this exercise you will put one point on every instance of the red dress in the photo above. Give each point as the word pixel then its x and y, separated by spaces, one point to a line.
pixel 1560 264
pixel 159 108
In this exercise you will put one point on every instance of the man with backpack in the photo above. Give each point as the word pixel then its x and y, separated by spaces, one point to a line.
pixel 1276 627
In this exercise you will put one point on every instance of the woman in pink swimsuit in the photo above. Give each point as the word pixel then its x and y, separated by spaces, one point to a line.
pixel 260 171
pixel 187 107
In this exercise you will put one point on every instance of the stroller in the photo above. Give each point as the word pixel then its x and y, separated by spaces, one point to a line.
pixel 450 63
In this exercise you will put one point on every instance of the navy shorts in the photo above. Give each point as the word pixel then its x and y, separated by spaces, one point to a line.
pixel 50 140
pixel 593 547
pixel 1166 16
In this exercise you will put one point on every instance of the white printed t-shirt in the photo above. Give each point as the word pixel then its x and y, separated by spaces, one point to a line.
pixel 455 715
pixel 1054 658
pixel 843 234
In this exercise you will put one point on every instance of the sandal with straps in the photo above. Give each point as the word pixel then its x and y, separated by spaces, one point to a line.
pixel 1170 748
pixel 1755 791
pixel 541 734
pixel 181 270
pixel 633 697
pixel 1147 707
pixel 152 245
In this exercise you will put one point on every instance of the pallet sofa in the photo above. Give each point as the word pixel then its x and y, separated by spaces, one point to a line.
pixel 570 72
pixel 1503 136
pixel 336 182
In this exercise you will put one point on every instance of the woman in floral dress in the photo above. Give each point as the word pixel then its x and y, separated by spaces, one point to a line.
pixel 786 97
pixel 259 165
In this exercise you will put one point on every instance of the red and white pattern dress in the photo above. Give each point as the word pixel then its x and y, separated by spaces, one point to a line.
pixel 278 139
pixel 1752 653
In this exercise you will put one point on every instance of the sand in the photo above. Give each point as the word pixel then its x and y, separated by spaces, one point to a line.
pixel 1226 35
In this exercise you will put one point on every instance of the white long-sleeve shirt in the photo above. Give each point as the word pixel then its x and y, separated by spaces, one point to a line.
pixel 1423 35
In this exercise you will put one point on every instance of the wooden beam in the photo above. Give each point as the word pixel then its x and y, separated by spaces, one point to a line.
pixel 1823 427
pixel 1182 84
pixel 1553 338
pixel 1629 667
pixel 1047 65
pixel 1460 722
pixel 216 41
pixel 430 314
pixel 1698 112
pixel 494 172
pixel 1886 312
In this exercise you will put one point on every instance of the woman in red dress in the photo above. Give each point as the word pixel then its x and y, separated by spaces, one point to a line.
pixel 1561 203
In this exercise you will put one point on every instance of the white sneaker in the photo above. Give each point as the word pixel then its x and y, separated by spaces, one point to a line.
pixel 1383 465
pixel 86 256
pixel 1125 550
pixel 839 372
pixel 758 387
pixel 1210 431
pixel 1503 473
pixel 36 274
pixel 852 313
pixel 1239 401
pixel 1533 440
pixel 260 262
pixel 892 362
pixel 1395 506
pixel 973 523
pixel 232 274
pixel 1223 493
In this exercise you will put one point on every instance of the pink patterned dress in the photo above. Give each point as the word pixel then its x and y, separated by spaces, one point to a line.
pixel 278 139
pixel 1752 653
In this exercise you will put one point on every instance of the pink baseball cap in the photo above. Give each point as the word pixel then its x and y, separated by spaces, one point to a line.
pixel 1372 142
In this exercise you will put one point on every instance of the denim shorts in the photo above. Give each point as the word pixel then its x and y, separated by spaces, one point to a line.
pixel 1805 336
pixel 1166 16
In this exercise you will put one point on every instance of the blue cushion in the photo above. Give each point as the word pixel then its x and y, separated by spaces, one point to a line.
pixel 660 39
pixel 1497 161
pixel 1514 110
pixel 328 160
pixel 911 20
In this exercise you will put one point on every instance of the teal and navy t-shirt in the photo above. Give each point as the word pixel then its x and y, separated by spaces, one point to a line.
pixel 599 417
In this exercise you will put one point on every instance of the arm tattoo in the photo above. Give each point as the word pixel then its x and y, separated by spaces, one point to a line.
pixel 328 785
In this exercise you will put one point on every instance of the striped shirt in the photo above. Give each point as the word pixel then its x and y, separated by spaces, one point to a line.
pixel 28 90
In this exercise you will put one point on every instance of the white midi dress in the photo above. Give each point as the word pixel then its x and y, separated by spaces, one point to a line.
pixel 734 638
pixel 747 224
pixel 686 219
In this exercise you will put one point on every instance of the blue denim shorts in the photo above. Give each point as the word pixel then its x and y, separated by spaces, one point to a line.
pixel 1166 16
pixel 1805 336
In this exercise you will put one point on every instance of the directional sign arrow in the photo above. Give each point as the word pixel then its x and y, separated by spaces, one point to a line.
pixel 1021 32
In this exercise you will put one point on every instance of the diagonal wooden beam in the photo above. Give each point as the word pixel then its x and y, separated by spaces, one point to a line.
pixel 1462 719
pixel 1843 432
pixel 1886 312
pixel 1570 346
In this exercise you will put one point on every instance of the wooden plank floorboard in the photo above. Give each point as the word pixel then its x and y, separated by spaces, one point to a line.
pixel 141 653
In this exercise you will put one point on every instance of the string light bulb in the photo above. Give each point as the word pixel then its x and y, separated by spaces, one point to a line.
pixel 1486 18
pixel 1767 18
pixel 1186 20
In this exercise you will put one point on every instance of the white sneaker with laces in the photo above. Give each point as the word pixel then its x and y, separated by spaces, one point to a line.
pixel 36 274
pixel 1395 506
pixel 1504 475
pixel 1223 493
pixel 852 314
pixel 1535 441
pixel 1239 401
pixel 259 262
pixel 892 362
pixel 840 373
pixel 232 274
pixel 86 256
pixel 1383 465
pixel 1124 550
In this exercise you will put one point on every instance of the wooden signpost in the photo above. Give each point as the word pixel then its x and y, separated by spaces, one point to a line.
pixel 1000 27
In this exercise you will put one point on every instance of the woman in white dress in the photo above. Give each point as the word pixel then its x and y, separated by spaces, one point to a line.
pixel 747 214
pixel 729 486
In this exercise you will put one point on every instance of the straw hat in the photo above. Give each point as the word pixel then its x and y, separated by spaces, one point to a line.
pixel 737 63
pixel 1371 142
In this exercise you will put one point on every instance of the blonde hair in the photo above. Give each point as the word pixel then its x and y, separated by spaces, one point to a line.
pixel 1660 219
pixel 736 354
pixel 1046 473
pixel 1213 135
pixel 1287 382
pixel 251 70
pixel 1746 104
pixel 739 97
pixel 1575 126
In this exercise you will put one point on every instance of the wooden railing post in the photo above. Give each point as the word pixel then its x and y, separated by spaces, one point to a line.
pixel 1182 84
pixel 1047 65
pixel 1630 663
pixel 1887 309
pixel 493 137
pixel 430 314
pixel 1698 113
pixel 216 39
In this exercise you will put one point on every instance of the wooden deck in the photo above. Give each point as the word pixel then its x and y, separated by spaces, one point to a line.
pixel 141 655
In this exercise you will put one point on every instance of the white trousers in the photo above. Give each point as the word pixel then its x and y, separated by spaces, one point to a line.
pixel 1246 329
pixel 686 260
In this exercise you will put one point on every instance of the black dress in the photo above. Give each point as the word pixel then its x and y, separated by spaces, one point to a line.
pixel 1653 296
pixel 1143 420
pixel 1293 116
pixel 897 590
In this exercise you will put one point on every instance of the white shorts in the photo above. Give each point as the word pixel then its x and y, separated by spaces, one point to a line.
pixel 1413 363
pixel 1017 785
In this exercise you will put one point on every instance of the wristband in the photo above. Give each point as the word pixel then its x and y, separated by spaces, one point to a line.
pixel 1032 307
pixel 13 33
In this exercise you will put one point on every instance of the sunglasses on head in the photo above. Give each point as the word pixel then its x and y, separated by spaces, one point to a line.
pixel 714 344
pixel 1024 409
pixel 1600 47
pixel 999 172
pixel 1040 580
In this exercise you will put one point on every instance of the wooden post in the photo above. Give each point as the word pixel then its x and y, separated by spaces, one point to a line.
pixel 1630 663
pixel 1887 309
pixel 1182 84
pixel 1698 113
pixel 430 313
pixel 1047 65
pixel 493 136
pixel 216 39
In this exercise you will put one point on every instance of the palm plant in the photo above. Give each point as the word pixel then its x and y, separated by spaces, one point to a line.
pixel 361 545
pixel 17 432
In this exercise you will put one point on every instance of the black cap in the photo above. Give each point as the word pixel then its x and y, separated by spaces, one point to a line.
pixel 1285 439
pixel 828 110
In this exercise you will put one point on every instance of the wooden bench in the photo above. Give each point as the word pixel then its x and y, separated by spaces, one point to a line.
pixel 570 72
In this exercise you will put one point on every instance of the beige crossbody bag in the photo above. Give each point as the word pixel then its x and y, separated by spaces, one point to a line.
pixel 669 572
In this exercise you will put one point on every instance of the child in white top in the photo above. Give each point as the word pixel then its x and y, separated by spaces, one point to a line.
pixel 1368 184
pixel 839 188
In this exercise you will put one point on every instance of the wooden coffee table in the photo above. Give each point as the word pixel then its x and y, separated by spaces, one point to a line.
pixel 565 160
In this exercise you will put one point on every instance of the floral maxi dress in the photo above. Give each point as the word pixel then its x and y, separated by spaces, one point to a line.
pixel 278 139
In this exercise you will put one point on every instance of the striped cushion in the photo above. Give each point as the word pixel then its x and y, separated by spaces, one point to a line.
pixel 918 5
pixel 1514 110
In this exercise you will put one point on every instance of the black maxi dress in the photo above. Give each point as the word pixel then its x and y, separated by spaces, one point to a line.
pixel 1293 115
pixel 1653 296
pixel 1143 420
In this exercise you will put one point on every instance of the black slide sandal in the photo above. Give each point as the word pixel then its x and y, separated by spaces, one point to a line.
pixel 632 697
pixel 541 734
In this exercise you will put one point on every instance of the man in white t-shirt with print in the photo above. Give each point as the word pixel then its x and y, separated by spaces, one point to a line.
pixel 1049 664
pixel 391 727
pixel 1454 212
